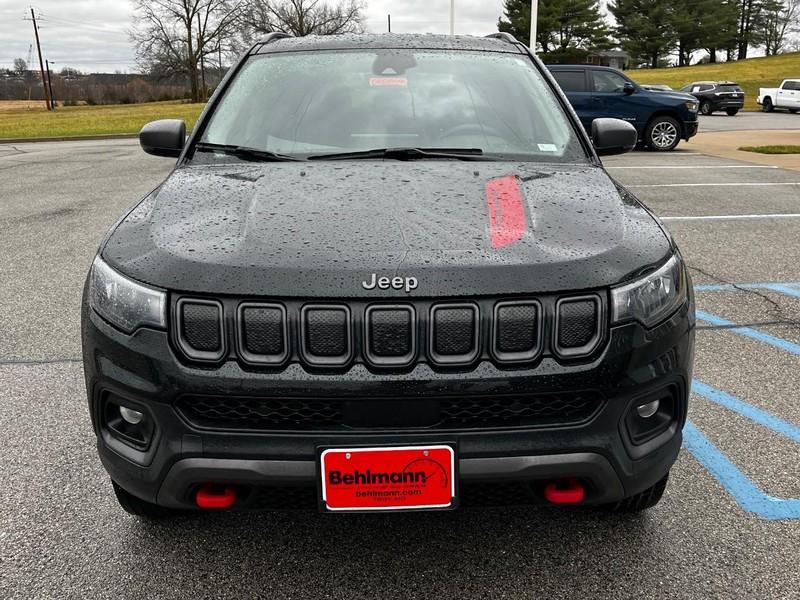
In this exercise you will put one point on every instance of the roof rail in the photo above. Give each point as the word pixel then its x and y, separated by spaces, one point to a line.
pixel 272 36
pixel 505 36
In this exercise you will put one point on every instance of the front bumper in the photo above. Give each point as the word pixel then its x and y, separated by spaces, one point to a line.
pixel 143 369
pixel 690 129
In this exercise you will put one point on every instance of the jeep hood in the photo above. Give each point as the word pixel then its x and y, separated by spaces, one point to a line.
pixel 320 229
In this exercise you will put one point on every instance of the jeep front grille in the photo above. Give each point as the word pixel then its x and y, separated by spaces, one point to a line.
pixel 334 336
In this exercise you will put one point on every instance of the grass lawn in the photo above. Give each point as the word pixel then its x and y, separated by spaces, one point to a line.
pixel 75 121
pixel 772 149
pixel 751 74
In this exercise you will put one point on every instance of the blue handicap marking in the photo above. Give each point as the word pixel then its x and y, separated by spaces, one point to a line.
pixel 749 332
pixel 788 289
pixel 744 491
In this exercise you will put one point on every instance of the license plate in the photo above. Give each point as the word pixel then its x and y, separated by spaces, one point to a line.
pixel 390 478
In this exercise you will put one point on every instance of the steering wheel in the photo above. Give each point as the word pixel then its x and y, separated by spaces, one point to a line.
pixel 469 128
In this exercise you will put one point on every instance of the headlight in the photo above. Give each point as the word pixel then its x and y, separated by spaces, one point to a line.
pixel 692 106
pixel 652 298
pixel 124 303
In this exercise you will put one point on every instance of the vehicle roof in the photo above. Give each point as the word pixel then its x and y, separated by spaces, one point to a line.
pixel 582 66
pixel 387 40
pixel 713 83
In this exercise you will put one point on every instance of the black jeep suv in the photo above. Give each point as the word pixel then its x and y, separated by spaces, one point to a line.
pixel 716 95
pixel 387 273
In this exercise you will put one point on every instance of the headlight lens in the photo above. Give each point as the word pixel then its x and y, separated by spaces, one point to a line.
pixel 125 303
pixel 692 106
pixel 652 298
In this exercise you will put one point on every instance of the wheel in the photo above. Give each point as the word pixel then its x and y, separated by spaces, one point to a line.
pixel 767 105
pixel 793 111
pixel 662 134
pixel 731 111
pixel 705 108
pixel 141 508
pixel 641 501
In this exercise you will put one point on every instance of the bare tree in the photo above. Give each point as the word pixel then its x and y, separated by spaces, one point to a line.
pixel 303 17
pixel 20 66
pixel 174 37
pixel 779 19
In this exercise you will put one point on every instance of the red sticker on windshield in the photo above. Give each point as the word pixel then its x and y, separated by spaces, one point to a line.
pixel 388 82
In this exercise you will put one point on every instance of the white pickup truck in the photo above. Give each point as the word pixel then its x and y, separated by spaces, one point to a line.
pixel 786 96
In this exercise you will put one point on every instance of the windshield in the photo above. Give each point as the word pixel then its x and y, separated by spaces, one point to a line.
pixel 315 103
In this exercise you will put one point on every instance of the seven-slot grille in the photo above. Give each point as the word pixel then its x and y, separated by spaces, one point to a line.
pixel 389 336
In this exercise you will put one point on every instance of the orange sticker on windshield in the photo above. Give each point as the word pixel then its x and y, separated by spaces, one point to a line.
pixel 388 82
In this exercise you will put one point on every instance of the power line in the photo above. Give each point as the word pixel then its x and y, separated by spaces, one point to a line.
pixel 77 24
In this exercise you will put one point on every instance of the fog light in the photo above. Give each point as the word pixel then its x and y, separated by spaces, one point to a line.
pixel 645 410
pixel 133 426
pixel 134 417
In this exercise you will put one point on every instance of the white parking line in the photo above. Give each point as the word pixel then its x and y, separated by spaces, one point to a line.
pixel 694 167
pixel 727 183
pixel 732 217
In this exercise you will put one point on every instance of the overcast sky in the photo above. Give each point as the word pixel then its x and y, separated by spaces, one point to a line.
pixel 91 35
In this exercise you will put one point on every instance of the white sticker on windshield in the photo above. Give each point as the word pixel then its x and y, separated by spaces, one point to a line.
pixel 548 148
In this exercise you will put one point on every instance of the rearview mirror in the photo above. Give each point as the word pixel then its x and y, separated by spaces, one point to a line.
pixel 628 88
pixel 165 137
pixel 613 136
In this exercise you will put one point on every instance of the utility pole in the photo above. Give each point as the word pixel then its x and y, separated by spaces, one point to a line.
pixel 219 55
pixel 534 23
pixel 389 17
pixel 50 84
pixel 41 62
pixel 200 47
pixel 452 17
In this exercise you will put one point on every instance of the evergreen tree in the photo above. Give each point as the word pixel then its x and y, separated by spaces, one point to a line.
pixel 721 30
pixel 697 24
pixel 563 25
pixel 645 28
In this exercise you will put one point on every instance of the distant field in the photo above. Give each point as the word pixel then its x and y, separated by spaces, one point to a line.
pixel 20 104
pixel 25 121
pixel 751 74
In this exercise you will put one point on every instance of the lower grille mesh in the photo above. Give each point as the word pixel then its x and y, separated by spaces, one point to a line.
pixel 331 414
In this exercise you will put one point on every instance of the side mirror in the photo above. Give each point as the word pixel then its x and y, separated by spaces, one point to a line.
pixel 165 137
pixel 613 136
pixel 628 88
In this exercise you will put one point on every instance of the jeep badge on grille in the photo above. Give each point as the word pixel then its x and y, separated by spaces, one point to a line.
pixel 384 283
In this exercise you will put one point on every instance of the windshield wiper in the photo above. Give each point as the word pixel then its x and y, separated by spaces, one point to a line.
pixel 245 153
pixel 406 154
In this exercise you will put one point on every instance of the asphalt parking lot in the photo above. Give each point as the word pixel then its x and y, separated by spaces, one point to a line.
pixel 729 524
pixel 744 121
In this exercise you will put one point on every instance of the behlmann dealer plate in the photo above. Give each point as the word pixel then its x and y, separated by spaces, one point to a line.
pixel 388 478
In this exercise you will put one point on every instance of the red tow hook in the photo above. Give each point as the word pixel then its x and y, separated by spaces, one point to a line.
pixel 564 491
pixel 213 497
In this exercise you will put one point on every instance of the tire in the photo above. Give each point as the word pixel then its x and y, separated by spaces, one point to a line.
pixel 141 508
pixel 793 111
pixel 705 108
pixel 731 111
pixel 641 501
pixel 767 106
pixel 662 134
